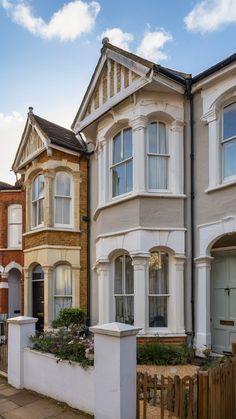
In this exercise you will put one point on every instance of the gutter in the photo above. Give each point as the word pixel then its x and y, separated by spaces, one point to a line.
pixel 189 94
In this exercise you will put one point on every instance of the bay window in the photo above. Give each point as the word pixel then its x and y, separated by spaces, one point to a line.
pixel 158 289
pixel 157 156
pixel 15 226
pixel 229 140
pixel 63 199
pixel 124 290
pixel 62 289
pixel 37 201
pixel 122 163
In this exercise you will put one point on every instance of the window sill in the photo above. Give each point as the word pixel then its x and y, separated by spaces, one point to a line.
pixel 39 230
pixel 11 249
pixel 133 195
pixel 221 186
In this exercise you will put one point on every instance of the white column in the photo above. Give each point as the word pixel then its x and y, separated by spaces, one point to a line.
pixel 140 264
pixel 179 294
pixel 102 171
pixel 176 181
pixel 139 125
pixel 19 332
pixel 211 118
pixel 27 292
pixel 115 371
pixel 104 293
pixel 48 296
pixel 202 301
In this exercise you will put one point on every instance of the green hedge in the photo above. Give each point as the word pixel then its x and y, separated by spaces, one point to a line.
pixel 157 354
pixel 68 317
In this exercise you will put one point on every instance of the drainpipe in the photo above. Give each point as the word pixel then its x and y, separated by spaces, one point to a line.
pixel 192 193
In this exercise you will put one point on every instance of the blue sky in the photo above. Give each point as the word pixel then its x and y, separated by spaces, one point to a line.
pixel 49 49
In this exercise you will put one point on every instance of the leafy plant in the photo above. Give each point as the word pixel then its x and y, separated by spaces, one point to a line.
pixel 157 354
pixel 69 317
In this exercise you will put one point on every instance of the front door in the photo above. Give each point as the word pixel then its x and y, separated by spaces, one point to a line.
pixel 14 293
pixel 223 303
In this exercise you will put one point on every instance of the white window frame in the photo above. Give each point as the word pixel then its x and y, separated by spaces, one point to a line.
pixel 167 295
pixel 223 141
pixel 61 295
pixel 71 198
pixel 151 154
pixel 37 200
pixel 10 208
pixel 125 161
pixel 124 294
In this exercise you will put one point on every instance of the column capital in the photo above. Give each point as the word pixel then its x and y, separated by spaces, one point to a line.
pixel 102 265
pixel 210 116
pixel 4 275
pixel 180 261
pixel 138 122
pixel 177 125
pixel 139 259
pixel 203 261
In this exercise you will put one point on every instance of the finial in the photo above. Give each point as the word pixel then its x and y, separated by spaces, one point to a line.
pixel 105 41
pixel 31 109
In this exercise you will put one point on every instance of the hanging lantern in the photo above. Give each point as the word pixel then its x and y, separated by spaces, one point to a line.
pixel 155 260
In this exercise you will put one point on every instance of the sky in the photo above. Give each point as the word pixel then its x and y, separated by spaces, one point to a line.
pixel 49 49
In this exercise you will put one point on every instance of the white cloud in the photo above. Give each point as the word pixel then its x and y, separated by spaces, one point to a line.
pixel 72 20
pixel 210 15
pixel 152 44
pixel 11 128
pixel 118 37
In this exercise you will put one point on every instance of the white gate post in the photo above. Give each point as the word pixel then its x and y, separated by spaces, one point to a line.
pixel 115 371
pixel 19 331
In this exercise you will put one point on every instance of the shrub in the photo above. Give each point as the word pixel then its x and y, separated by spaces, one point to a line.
pixel 157 354
pixel 68 317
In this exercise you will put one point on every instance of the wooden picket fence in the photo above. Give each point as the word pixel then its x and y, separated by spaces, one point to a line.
pixel 209 394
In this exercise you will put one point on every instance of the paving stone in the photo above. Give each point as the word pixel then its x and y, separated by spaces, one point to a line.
pixel 7 407
pixel 24 397
pixel 8 391
pixel 41 409
pixel 71 415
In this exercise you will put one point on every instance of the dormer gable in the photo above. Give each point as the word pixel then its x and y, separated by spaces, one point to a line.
pixel 117 75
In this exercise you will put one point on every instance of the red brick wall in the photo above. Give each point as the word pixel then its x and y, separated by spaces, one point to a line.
pixel 8 256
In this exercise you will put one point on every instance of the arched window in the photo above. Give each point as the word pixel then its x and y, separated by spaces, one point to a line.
pixel 229 140
pixel 158 289
pixel 37 201
pixel 15 226
pixel 157 156
pixel 122 163
pixel 62 288
pixel 63 198
pixel 124 289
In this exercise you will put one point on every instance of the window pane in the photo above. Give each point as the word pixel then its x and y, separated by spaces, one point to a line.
pixel 35 189
pixel 118 275
pixel 127 143
pixel 229 151
pixel 158 278
pixel 118 180
pixel 129 176
pixel 15 235
pixel 229 121
pixel 60 303
pixel 63 283
pixel 162 139
pixel 158 311
pixel 34 214
pixel 63 182
pixel 157 169
pixel 66 211
pixel 129 276
pixel 15 215
pixel 40 211
pixel 152 137
pixel 40 186
pixel 59 209
pixel 125 310
pixel 117 148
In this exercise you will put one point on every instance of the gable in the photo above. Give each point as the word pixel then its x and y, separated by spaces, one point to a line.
pixel 33 145
pixel 114 78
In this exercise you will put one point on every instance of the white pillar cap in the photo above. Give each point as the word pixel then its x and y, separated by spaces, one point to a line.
pixel 22 320
pixel 115 329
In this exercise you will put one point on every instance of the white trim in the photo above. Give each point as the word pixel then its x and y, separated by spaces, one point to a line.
pixel 50 246
pixel 70 230
pixel 70 198
pixel 3 285
pixel 12 265
pixel 11 190
pixel 66 150
pixel 224 185
pixel 212 77
pixel 129 230
pixel 31 157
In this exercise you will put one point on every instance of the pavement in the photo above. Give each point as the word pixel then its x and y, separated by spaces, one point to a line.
pixel 24 404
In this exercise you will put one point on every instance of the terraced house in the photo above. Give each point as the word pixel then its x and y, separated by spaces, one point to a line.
pixel 163 205
pixel 12 204
pixel 53 169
